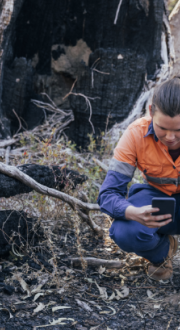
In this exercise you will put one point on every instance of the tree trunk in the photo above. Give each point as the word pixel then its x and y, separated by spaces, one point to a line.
pixel 174 24
pixel 110 47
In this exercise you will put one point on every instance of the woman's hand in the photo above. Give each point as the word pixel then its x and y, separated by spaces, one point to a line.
pixel 144 216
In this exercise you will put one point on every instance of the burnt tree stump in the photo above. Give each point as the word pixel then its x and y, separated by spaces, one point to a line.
pixel 46 45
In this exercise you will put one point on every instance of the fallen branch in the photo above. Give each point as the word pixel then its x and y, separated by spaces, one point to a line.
pixel 73 202
pixel 100 164
pixel 95 262
pixel 12 152
pixel 85 216
pixel 6 143
pixel 90 222
pixel 52 176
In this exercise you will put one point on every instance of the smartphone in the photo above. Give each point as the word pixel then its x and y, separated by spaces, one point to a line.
pixel 166 205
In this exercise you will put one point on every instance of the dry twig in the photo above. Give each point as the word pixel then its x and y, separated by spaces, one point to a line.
pixel 117 12
pixel 88 103
pixel 53 108
pixel 19 120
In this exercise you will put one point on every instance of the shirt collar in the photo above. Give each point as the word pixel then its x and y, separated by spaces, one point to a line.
pixel 151 131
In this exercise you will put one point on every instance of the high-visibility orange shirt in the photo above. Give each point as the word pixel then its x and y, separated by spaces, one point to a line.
pixel 139 147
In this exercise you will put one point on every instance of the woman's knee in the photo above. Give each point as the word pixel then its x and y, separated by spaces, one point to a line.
pixel 120 232
pixel 131 236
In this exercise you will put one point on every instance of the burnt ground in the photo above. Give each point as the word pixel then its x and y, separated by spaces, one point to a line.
pixel 40 288
pixel 93 298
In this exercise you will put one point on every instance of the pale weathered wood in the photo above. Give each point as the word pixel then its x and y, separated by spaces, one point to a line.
pixel 174 19
pixel 100 164
pixel 95 262
pixel 6 143
pixel 74 203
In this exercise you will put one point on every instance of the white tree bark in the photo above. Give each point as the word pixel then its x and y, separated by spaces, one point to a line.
pixel 174 25
pixel 5 18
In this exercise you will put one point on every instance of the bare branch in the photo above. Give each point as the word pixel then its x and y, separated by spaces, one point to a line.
pixel 117 12
pixel 101 71
pixel 70 90
pixel 90 222
pixel 7 143
pixel 63 126
pixel 88 103
pixel 52 108
pixel 95 63
pixel 87 98
pixel 62 114
pixel 13 172
pixel 74 203
pixel 100 164
pixel 98 262
pixel 19 120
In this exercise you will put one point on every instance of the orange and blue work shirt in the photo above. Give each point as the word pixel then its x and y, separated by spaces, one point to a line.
pixel 138 147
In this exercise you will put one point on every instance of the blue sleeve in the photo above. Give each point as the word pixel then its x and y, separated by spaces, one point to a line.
pixel 112 195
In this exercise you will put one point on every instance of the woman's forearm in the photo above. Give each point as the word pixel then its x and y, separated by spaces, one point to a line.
pixel 130 213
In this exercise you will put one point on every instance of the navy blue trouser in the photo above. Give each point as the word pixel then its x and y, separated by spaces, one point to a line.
pixel 131 236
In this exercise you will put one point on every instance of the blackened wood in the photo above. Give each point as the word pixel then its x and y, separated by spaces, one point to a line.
pixel 52 177
pixel 16 228
pixel 17 94
pixel 130 49
pixel 46 23
pixel 112 91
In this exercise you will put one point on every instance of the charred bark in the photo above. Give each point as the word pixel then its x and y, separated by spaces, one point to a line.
pixel 52 177
pixel 15 227
pixel 17 94
pixel 110 90
pixel 18 230
pixel 62 41
pixel 9 11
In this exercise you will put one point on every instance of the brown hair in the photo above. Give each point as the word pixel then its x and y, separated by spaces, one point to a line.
pixel 166 97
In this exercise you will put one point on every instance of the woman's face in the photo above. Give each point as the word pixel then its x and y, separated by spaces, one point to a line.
pixel 167 129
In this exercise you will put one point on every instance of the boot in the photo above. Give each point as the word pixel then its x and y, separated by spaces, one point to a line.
pixel 164 270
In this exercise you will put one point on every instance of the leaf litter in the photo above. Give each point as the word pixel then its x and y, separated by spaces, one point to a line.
pixel 95 299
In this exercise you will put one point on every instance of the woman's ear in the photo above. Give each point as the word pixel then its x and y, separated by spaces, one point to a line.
pixel 150 110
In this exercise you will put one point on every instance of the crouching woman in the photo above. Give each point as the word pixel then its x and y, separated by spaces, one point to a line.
pixel 153 145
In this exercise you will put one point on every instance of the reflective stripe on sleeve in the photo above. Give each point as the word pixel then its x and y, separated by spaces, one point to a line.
pixel 175 181
pixel 122 167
